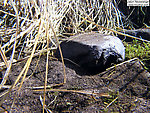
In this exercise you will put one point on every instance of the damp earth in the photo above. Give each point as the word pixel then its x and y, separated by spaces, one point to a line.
pixel 122 88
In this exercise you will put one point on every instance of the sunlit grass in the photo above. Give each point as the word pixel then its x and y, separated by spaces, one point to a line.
pixel 138 49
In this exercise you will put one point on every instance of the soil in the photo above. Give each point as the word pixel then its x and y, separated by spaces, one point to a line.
pixel 124 88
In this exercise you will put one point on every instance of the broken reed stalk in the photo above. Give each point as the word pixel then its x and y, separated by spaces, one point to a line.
pixel 45 81
pixel 60 53
pixel 75 91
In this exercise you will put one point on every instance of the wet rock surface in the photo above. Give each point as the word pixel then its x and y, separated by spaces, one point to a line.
pixel 127 84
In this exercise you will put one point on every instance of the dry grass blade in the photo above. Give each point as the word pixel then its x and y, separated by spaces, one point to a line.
pixel 14 47
pixel 60 52
pixel 32 54
pixel 76 91
pixel 45 108
pixel 4 57
pixel 45 83
pixel 111 102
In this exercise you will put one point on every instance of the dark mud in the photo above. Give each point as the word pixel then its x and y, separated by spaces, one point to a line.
pixel 128 86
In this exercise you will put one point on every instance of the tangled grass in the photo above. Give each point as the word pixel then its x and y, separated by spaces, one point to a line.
pixel 29 28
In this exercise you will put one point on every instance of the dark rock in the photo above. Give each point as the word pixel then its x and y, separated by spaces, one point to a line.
pixel 93 51
pixel 140 33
